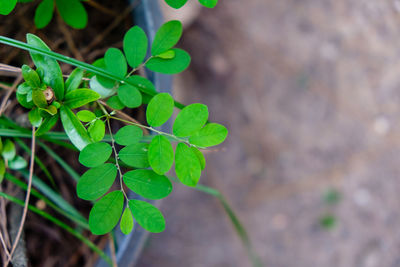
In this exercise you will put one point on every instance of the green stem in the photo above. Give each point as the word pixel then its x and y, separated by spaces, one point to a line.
pixel 64 226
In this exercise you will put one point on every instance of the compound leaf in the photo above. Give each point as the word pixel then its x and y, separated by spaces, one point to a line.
pixel 86 115
pixel 176 3
pixel 73 13
pixel 6 6
pixel 115 62
pixel 44 13
pixel 209 3
pixel 130 96
pixel 97 130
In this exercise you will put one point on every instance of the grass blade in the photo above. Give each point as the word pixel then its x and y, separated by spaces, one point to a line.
pixel 60 224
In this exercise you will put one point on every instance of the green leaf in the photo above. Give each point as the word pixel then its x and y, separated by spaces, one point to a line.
pixel 143 84
pixel 74 80
pixel 200 157
pixel 166 37
pixel 73 13
pixel 190 120
pixel 23 88
pixel 210 135
pixel 74 128
pixel 86 116
pixel 34 117
pixel 148 184
pixel 115 103
pixel 50 110
pixel 176 3
pixel 103 91
pixel 128 135
pixel 105 214
pixel 135 46
pixel 80 97
pixel 159 109
pixel 170 66
pixel 39 99
pixel 169 54
pixel 95 154
pixel 147 216
pixel 129 96
pixel 44 13
pixel 22 99
pixel 161 154
pixel 2 169
pixel 115 62
pixel 8 151
pixel 30 76
pixel 47 124
pixel 52 72
pixel 126 223
pixel 135 155
pixel 95 182
pixel 209 3
pixel 97 130
pixel 17 163
pixel 6 6
pixel 187 165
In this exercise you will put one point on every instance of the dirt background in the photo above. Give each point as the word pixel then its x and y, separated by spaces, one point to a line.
pixel 310 93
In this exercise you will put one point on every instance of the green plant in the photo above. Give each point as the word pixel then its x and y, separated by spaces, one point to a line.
pixel 86 104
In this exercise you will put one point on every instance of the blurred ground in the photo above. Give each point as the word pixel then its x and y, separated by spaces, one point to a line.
pixel 310 92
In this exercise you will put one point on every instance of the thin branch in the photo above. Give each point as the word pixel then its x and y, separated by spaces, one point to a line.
pixel 4 245
pixel 28 194
pixel 101 8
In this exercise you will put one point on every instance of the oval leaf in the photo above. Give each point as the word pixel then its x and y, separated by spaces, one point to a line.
pixel 115 103
pixel 115 62
pixel 200 157
pixel 6 6
pixel 51 70
pixel 105 214
pixel 161 154
pixel 170 66
pixel 135 155
pixel 148 184
pixel 73 13
pixel 80 97
pixel 74 128
pixel 47 124
pixel 147 216
pixel 30 76
pixel 128 135
pixel 96 182
pixel 135 46
pixel 97 130
pixel 159 109
pixel 210 135
pixel 95 154
pixel 209 3
pixel 126 223
pixel 44 13
pixel 129 96
pixel 187 165
pixel 8 151
pixel 190 120
pixel 86 116
pixel 166 37
pixel 176 3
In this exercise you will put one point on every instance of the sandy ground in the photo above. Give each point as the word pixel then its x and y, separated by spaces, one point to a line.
pixel 310 93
